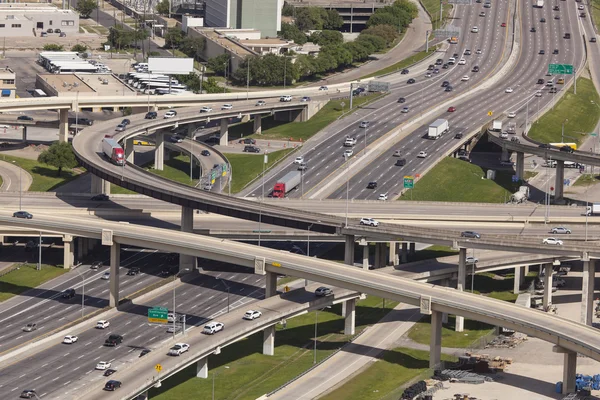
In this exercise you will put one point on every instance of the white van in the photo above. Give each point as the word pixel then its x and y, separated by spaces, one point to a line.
pixel 550 82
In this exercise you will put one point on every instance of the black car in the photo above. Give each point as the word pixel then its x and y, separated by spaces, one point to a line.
pixel 97 265
pixel 100 197
pixel 401 162
pixel 445 84
pixel 411 80
pixel 68 294
pixel 151 115
pixel 545 146
pixel 401 100
pixel 133 271
pixel 540 81
pixel 404 71
pixel 553 90
pixel 458 136
pixel 566 149
pixel 109 372
pixel 113 340
pixel 593 40
pixel 431 67
pixel 126 121
pixel 22 214
pixel 169 271
pixel 475 69
pixel 470 234
pixel 144 352
pixel 532 29
pixel 372 185
pixel 567 36
pixel 251 149
pixel 439 61
pixel 555 51
pixel 445 66
pixel 50 30
pixel 247 141
pixel 205 153
pixel 543 20
pixel 112 385
pixel 448 89
pixel 24 118
pixel 542 52
pixel 28 394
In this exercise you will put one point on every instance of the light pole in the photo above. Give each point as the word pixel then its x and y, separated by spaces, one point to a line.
pixel 366 129
pixel 347 187
pixel 213 382
pixel 20 191
pixel 562 136
pixel 82 292
pixel 174 313
pixel 248 78
pixel 226 287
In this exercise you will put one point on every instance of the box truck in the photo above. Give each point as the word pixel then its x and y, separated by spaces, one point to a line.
pixel 438 128
pixel 593 209
pixel 540 3
pixel 113 151
pixel 289 182
pixel 497 126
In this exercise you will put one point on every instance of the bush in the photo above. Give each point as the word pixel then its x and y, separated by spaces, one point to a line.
pixel 53 47
pixel 79 48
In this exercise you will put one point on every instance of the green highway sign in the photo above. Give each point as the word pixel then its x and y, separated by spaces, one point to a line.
pixel 409 182
pixel 158 315
pixel 565 69
pixel 593 134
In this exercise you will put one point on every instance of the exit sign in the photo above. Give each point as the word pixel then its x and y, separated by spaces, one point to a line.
pixel 565 69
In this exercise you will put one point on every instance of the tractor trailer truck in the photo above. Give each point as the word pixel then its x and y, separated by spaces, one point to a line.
pixel 540 3
pixel 438 128
pixel 289 182
pixel 593 209
pixel 112 150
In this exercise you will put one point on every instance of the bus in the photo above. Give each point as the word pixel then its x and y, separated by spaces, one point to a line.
pixel 571 145
pixel 143 83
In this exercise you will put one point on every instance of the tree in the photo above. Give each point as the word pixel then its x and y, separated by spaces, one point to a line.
pixel 59 155
pixel 359 50
pixel 326 37
pixel 163 7
pixel 377 42
pixel 291 32
pixel 287 10
pixel 173 37
pixel 193 46
pixel 212 86
pixel 85 7
pixel 386 32
pixel 79 48
pixel 309 18
pixel 53 47
pixel 119 37
pixel 219 64
pixel 333 20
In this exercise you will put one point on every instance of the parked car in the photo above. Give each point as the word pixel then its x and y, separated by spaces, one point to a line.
pixel 323 291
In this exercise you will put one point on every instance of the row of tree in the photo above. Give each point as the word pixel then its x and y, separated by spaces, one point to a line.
pixel 313 18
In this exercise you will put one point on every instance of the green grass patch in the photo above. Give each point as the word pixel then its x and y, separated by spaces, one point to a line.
pixel 431 252
pixel 581 110
pixel 433 8
pixel 415 58
pixel 81 30
pixel 178 169
pixel 595 5
pixel 439 184
pixel 281 130
pixel 587 180
pixel 385 377
pixel 473 330
pixel 247 167
pixel 250 374
pixel 45 177
pixel 27 277
pixel 116 189
pixel 286 279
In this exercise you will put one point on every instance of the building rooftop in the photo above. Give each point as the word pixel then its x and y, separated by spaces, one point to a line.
pixel 7 73
pixel 106 85
pixel 224 41
pixel 64 83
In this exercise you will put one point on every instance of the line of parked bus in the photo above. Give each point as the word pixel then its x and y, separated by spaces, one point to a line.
pixel 148 83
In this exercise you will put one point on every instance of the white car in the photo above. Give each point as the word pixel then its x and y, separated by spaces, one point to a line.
pixel 382 197
pixel 179 349
pixel 226 106
pixel 70 339
pixel 508 90
pixel 106 276
pixel 464 78
pixel 212 328
pixel 206 109
pixel 369 221
pixel 364 124
pixel 299 160
pixel 285 98
pixel 580 7
pixel 350 142
pixel 538 94
pixel 323 88
pixel 478 51
pixel 170 317
pixel 503 135
pixel 103 365
pixel 261 103
pixel 252 314
pixel 474 29
pixel 348 153
pixel 560 229
pixel 471 260
pixel 552 240
pixel 422 154
pixel 512 114
pixel 462 61
pixel 170 114
pixel 102 324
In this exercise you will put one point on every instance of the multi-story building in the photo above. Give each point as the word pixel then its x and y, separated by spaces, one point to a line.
pixel 31 19
pixel 8 85
pixel 264 15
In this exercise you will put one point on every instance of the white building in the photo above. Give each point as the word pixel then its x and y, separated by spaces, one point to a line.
pixel 31 19
pixel 264 15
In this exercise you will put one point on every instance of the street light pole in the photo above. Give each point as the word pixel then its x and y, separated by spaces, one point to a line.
pixel 562 136
pixel 315 347
pixel 226 287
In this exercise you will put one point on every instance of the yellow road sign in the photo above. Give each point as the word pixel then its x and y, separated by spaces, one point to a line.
pixel 158 367
pixel 490 113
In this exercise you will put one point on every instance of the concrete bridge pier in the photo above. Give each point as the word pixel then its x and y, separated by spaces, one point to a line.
pixel 187 225
pixel 547 301
pixel 505 155
pixel 378 256
pixel 159 151
pixel 435 341
pixel 460 284
pixel 349 314
pixel 63 125
pixel 560 179
pixel 519 279
pixel 349 250
pixel 365 263
pixel 129 151
pixel 445 283
pixel 569 369
pixel 520 165
pixel 224 132
pixel 257 124
pixel 202 368
pixel 68 255
pixel 393 257
pixel 269 341
pixel 115 262
pixel 82 248
pixel 91 244
pixel 24 132
pixel 270 284
pixel 412 249
pixel 587 292
pixel 404 253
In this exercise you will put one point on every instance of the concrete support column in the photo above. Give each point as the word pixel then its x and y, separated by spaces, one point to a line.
pixel 91 243
pixel 587 292
pixel 435 341
pixel 81 248
pixel 569 372
pixel 460 284
pixel 115 262
pixel 105 186
pixel 505 156
pixel 560 179
pixel 392 252
pixel 547 285
pixel 257 124
pixel 518 279
pixel 445 283
pixel 129 151
pixel 224 132
pixel 24 131
pixel 159 151
pixel 269 340
pixel 349 250
pixel 520 165
pixel 411 249
pixel 202 368
pixel 365 263
pixel 525 270
pixel 349 313
pixel 187 225
pixel 63 125
pixel 396 259
pixel 68 252
pixel 270 284
pixel 143 396
pixel 96 186
pixel 404 254
pixel 378 255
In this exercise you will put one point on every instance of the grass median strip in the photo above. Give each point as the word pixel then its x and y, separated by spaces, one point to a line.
pixel 247 167
pixel 44 176
pixel 400 65
pixel 250 374
pixel 25 278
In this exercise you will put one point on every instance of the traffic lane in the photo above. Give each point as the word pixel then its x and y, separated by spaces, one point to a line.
pixel 203 297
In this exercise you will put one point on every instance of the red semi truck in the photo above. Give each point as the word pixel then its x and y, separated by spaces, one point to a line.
pixel 112 150
pixel 289 182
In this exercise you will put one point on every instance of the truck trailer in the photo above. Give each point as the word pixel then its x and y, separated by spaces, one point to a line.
pixel 438 128
pixel 496 126
pixel 112 150
pixel 540 3
pixel 593 209
pixel 289 182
